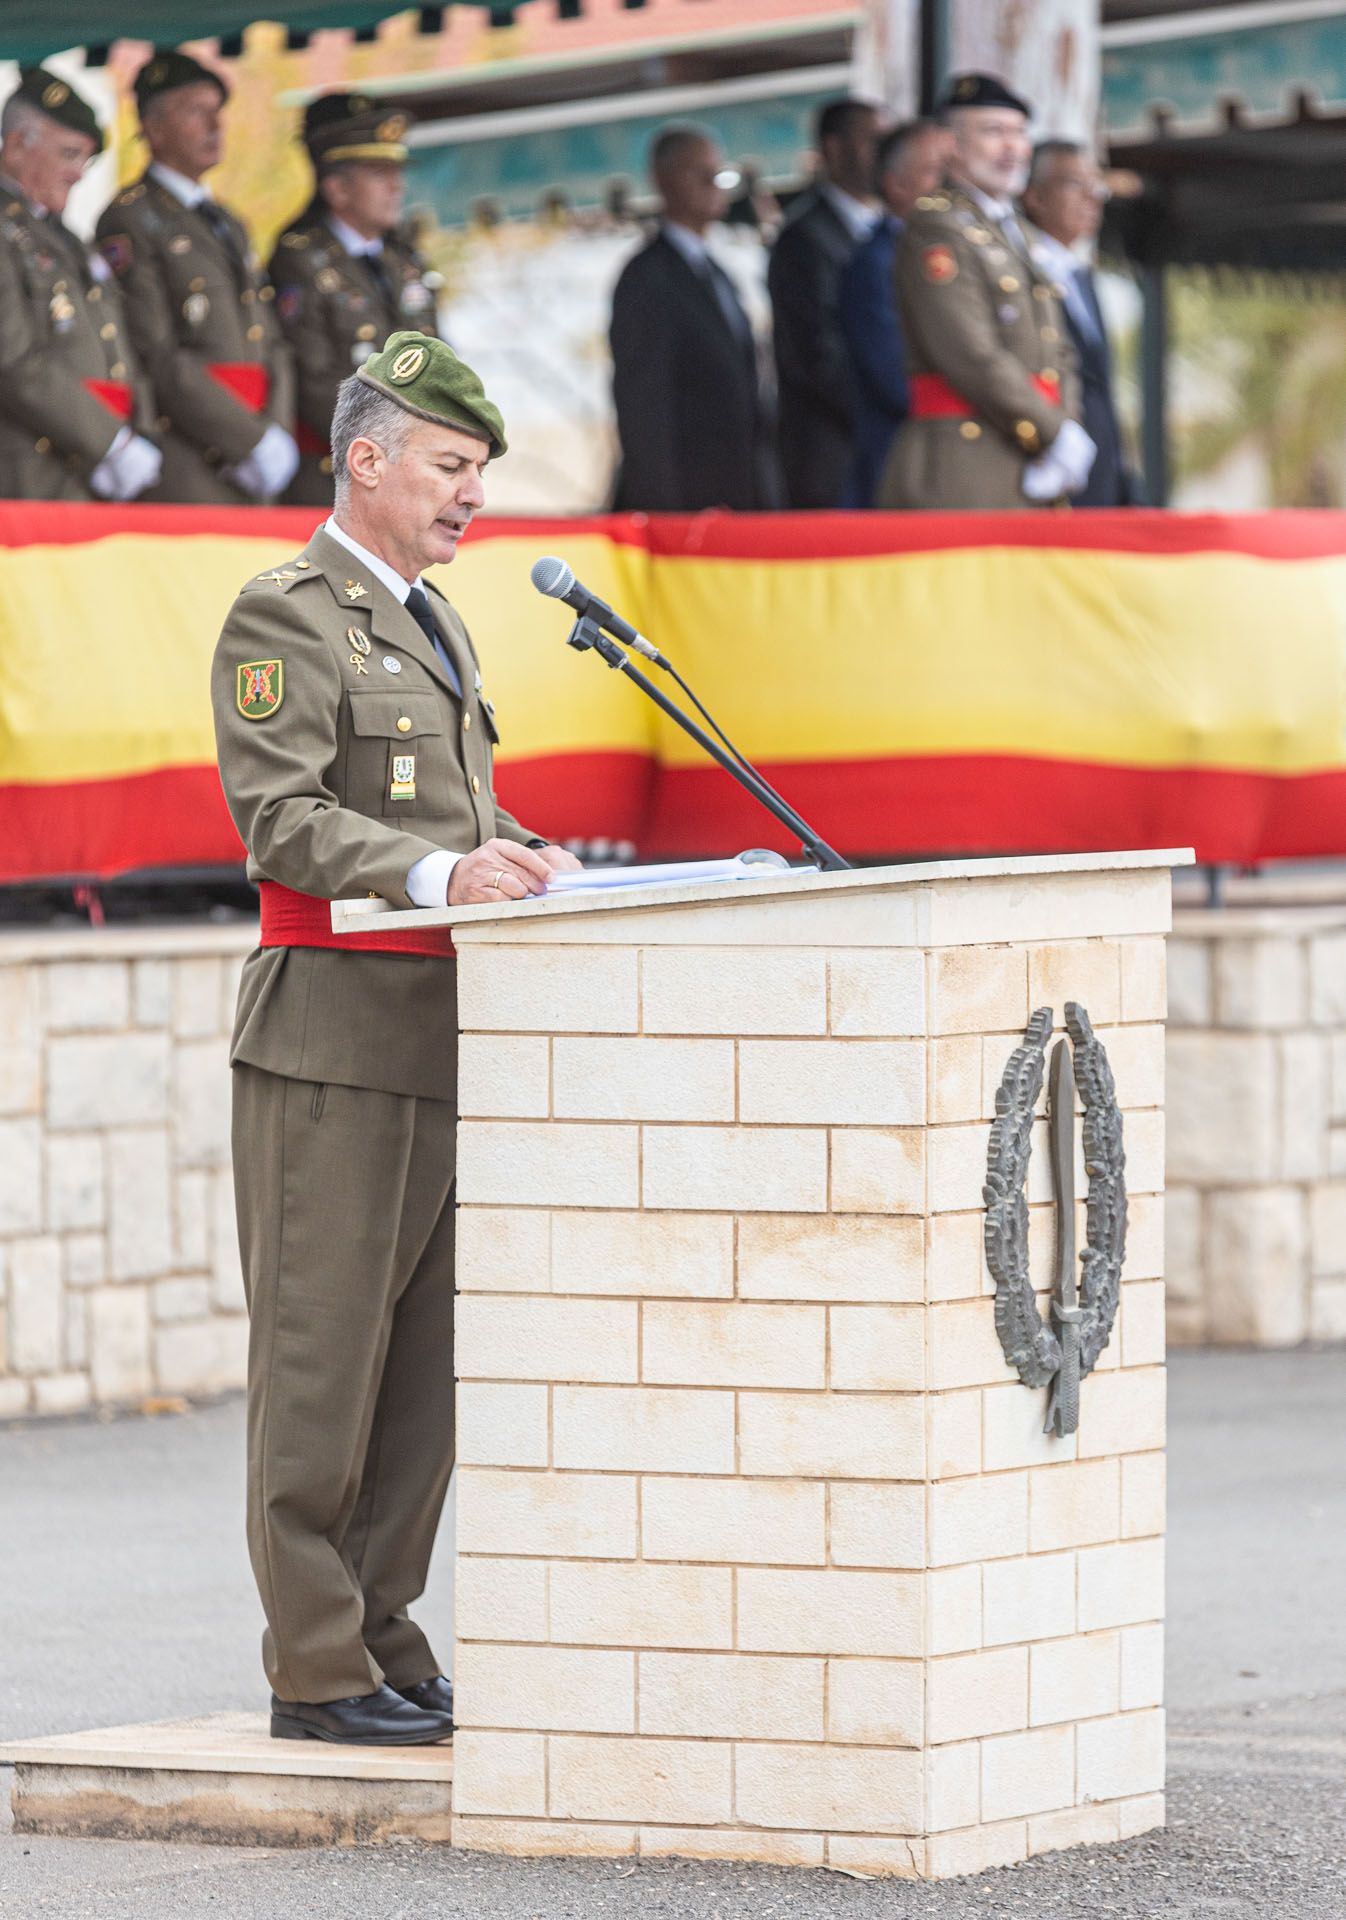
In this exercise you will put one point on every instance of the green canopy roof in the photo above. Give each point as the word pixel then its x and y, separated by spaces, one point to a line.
pixel 32 29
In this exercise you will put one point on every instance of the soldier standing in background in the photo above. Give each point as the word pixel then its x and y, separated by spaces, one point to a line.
pixel 73 414
pixel 345 276
pixel 198 305
pixel 991 372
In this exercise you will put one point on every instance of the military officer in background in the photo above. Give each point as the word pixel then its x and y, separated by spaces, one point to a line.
pixel 200 308
pixel 993 386
pixel 355 747
pixel 345 275
pixel 74 414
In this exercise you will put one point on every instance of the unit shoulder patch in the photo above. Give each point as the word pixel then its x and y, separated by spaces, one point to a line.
pixel 939 265
pixel 261 688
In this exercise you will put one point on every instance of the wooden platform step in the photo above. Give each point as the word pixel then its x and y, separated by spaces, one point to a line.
pixel 223 1778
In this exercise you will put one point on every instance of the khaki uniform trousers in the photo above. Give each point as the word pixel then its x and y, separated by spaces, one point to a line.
pixel 345 1216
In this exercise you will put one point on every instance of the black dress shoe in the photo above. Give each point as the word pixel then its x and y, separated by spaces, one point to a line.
pixel 382 1719
pixel 434 1695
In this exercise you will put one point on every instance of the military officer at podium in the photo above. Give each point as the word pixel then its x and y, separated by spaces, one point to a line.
pixel 355 747
pixel 993 391
pixel 345 274
pixel 200 309
pixel 74 414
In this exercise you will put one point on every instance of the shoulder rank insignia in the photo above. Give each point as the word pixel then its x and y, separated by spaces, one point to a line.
pixel 356 589
pixel 278 577
pixel 261 688
pixel 939 265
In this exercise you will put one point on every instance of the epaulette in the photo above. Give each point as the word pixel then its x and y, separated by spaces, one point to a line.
pixel 130 195
pixel 284 576
pixel 296 240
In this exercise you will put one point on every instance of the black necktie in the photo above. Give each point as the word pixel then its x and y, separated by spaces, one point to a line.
pixel 418 606
pixel 382 280
pixel 727 295
pixel 222 227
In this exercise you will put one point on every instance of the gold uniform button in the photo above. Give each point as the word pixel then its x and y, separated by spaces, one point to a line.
pixel 247 296
pixel 42 444
pixel 266 293
pixel 117 371
pixel 476 784
pixel 1008 283
pixel 1050 335
pixel 404 725
pixel 255 332
pixel 1026 431
pixel 304 564
pixel 970 430
pixel 107 331
pixel 467 722
pixel 366 331
pixel 95 294
pixel 196 283
pixel 1049 373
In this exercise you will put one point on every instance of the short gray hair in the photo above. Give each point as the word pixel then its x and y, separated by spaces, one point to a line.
pixel 20 118
pixel 363 413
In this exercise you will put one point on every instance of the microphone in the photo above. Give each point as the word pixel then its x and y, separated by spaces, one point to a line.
pixel 554 578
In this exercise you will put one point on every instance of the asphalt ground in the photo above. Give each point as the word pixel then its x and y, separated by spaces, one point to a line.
pixel 125 1595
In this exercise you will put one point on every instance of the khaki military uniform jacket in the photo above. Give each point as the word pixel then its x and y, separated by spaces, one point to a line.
pixel 978 314
pixel 336 310
pixel 195 303
pixel 321 807
pixel 61 330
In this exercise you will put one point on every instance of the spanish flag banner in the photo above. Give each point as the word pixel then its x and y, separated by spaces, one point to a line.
pixel 925 683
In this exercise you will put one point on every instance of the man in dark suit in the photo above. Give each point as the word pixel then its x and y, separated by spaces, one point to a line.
pixel 910 164
pixel 690 415
pixel 823 229
pixel 1064 199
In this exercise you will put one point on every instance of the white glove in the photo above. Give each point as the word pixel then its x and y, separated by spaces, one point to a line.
pixel 1064 467
pixel 270 467
pixel 130 465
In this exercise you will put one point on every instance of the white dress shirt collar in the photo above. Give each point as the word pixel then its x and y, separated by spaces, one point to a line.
pixel 354 243
pixel 858 219
pixel 692 246
pixel 1057 261
pixel 396 585
pixel 190 192
pixel 995 210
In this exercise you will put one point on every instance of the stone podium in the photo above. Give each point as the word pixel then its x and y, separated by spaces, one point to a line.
pixel 762 1551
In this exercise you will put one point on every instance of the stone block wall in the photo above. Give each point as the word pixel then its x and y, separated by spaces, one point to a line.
pixel 119 1271
pixel 1257 1126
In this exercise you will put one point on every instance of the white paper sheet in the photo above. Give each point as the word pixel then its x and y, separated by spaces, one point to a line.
pixel 675 872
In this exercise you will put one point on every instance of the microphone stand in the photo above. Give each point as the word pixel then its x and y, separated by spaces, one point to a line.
pixel 586 633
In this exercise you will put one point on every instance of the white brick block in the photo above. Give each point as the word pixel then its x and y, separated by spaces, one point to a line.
pixel 500 1599
pixel 958 1168
pixel 201 1103
pixel 829 1788
pixel 976 1849
pixel 547 989
pixel 1327 1231
pixel 981 1519
pixel 1073 1827
pixel 547 1164
pixel 965 1349
pixel 1327 1310
pixel 1136 1056
pixel 637 1079
pixel 74 1181
pixel 736 990
pixel 16 1397
pixel 20 1040
pixel 503 1250
pixel 847 1257
pixel 84 996
pixel 1221 1108
pixel 504 1076
pixel 196 997
pixel 1142 1667
pixel 152 993
pixel 723 1843
pixel 1030 1599
pixel 35 1306
pixel 1256 1266
pixel 877 1525
pixel 1143 1489
pixel 540 1337
pixel 953 1609
pixel 832 1436
pixel 20 1176
pixel 789 1611
pixel 505 1511
pixel 1122 1412
pixel 203 1356
pixel 1073 1679
pixel 61 1393
pixel 1260 983
pixel 1191 987
pixel 677 1255
pixel 499 1772
pixel 618 1779
pixel 777 1522
pixel 1073 1506
pixel 1145 1133
pixel 744 1169
pixel 1085 970
pixel 119 1343
pixel 541 1839
pixel 84 1258
pixel 1013 1435
pixel 1120 1585
pixel 969 1695
pixel 978 989
pixel 500 1425
pixel 955 1256
pixel 1140 1815
pixel 644 1430
pixel 733 1344
pixel 637 1605
pixel 878 1171
pixel 191 1221
pixel 1144 1237
pixel 740 1696
pixel 172 1300
pixel 879 1703
pixel 1142 1324
pixel 877 1348
pixel 839 1083
pixel 954 1421
pixel 1028 1773
pixel 874 993
pixel 952 1786
pixel 1305 1074
pixel 140 1204
pixel 1122 1756
pixel 955 1079
pixel 112 1081
pixel 560 1689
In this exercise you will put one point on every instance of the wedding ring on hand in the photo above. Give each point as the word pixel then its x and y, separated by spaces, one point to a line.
pixel 500 874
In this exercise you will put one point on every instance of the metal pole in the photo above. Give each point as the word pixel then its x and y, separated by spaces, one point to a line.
pixel 934 51
pixel 1154 384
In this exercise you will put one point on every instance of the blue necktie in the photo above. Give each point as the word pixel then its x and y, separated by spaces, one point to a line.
pixel 418 606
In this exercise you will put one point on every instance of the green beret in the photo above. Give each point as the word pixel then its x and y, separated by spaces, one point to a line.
pixel 425 376
pixel 167 69
pixel 981 90
pixel 340 127
pixel 58 100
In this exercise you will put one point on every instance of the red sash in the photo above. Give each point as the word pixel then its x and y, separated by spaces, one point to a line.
pixel 114 394
pixel 932 397
pixel 249 383
pixel 291 919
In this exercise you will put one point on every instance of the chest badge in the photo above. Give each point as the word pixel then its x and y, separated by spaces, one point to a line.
pixel 390 665
pixel 260 688
pixel 360 642
pixel 403 785
pixel 939 265
pixel 356 590
pixel 195 308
